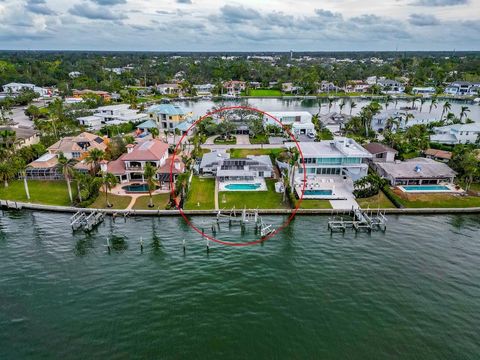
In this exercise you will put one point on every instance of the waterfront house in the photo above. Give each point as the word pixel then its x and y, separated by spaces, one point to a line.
pixel 76 147
pixel 168 89
pixel 462 88
pixel 338 157
pixel 204 89
pixel 289 87
pixel 424 91
pixel 439 155
pixel 18 136
pixel 234 87
pixel 391 86
pixel 456 134
pixel 334 122
pixel 145 128
pixel 300 121
pixel 249 170
pixel 130 166
pixel 356 86
pixel 417 171
pixel 381 152
pixel 170 117
pixel 111 115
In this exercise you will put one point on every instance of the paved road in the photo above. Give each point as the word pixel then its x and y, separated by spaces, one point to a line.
pixel 20 118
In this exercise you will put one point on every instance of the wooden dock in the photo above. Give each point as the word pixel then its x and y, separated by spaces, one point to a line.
pixel 82 220
pixel 357 219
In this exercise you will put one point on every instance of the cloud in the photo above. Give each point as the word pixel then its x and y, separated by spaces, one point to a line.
pixel 39 7
pixel 95 13
pixel 109 2
pixel 184 1
pixel 440 2
pixel 423 20
pixel 238 14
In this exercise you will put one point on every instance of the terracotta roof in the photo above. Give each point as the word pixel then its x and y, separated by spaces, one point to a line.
pixel 150 150
pixel 70 143
pixel 165 169
pixel 441 154
pixel 377 148
pixel 117 166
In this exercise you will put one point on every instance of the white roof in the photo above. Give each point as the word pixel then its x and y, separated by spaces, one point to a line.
pixel 114 107
pixel 338 147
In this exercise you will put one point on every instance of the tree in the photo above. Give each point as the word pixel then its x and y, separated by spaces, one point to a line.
pixel 93 158
pixel 108 182
pixel 66 166
pixel 341 106
pixel 330 103
pixel 368 186
pixel 463 112
pixel 433 103
pixel 256 126
pixel 149 174
pixel 353 105
pixel 422 101
pixel 8 170
pixel 154 131
pixel 446 107
pixel 388 100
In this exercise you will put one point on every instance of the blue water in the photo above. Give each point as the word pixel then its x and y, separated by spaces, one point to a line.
pixel 318 192
pixel 141 188
pixel 242 186
pixel 426 188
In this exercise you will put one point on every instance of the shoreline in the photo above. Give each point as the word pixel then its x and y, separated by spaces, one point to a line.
pixel 16 205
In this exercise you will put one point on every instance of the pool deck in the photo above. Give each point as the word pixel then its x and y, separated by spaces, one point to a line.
pixel 450 189
pixel 222 186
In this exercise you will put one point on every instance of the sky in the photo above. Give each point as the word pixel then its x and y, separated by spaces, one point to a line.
pixel 247 25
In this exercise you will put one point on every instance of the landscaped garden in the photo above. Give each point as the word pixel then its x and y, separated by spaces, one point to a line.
pixel 377 201
pixel 263 92
pixel 201 195
pixel 220 140
pixel 253 199
pixel 242 153
pixel 435 200
pixel 41 192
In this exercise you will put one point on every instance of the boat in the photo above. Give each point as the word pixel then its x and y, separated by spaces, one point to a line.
pixel 266 230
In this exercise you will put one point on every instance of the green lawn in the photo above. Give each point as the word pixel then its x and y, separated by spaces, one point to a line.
pixel 252 199
pixel 436 200
pixel 264 92
pixel 201 195
pixel 41 192
pixel 160 201
pixel 375 202
pixel 315 204
pixel 259 139
pixel 118 202
pixel 241 153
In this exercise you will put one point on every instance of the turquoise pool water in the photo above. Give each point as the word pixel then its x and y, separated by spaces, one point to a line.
pixel 426 188
pixel 318 192
pixel 243 187
pixel 140 188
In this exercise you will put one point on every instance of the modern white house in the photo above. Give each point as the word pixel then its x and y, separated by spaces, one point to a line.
pixel 391 86
pixel 111 115
pixel 462 88
pixel 456 134
pixel 341 156
pixel 15 88
pixel 204 89
pixel 168 89
pixel 301 121
pixel 424 90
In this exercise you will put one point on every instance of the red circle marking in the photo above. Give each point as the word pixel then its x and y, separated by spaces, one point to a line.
pixel 292 215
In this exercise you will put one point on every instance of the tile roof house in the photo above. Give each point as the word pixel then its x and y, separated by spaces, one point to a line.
pixel 439 155
pixel 131 166
pixel 44 168
pixel 75 147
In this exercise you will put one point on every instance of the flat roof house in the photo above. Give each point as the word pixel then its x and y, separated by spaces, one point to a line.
pixel 131 166
pixel 301 121
pixel 15 88
pixel 456 134
pixel 341 156
pixel 417 171
pixel 381 152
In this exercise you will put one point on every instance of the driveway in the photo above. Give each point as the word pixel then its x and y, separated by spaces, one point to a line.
pixel 243 139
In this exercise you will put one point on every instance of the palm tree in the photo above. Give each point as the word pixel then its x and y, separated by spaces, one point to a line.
pixel 94 157
pixel 341 106
pixel 422 101
pixel 330 103
pixel 7 171
pixel 154 131
pixel 108 182
pixel 149 173
pixel 446 107
pixel 414 100
pixel 433 103
pixel 388 100
pixel 66 165
pixel 408 116
pixel 294 155
pixel 463 112
pixel 396 103
pixel 353 105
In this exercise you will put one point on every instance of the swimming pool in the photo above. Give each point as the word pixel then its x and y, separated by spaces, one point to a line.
pixel 243 187
pixel 425 188
pixel 317 192
pixel 136 188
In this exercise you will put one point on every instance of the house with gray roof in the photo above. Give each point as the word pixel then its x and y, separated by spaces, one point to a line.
pixel 417 171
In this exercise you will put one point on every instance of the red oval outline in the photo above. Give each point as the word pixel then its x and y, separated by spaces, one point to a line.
pixel 293 213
